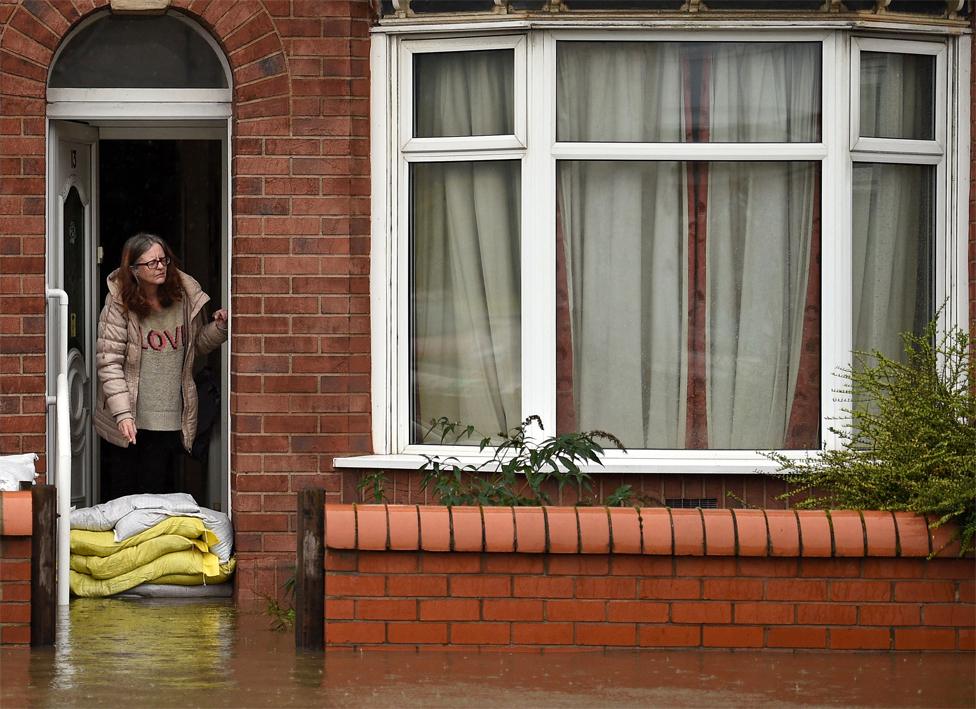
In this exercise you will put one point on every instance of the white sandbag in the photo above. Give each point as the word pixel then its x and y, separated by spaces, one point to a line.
pixel 219 524
pixel 105 516
pixel 15 469
pixel 165 590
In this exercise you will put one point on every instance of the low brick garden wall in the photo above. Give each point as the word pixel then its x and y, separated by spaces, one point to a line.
pixel 15 567
pixel 565 578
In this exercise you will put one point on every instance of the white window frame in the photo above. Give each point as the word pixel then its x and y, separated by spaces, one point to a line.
pixel 539 152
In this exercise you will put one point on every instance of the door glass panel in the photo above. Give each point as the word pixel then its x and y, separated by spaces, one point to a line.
pixel 897 96
pixel 138 52
pixel 73 241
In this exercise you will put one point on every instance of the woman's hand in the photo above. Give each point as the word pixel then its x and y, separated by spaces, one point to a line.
pixel 127 427
pixel 220 317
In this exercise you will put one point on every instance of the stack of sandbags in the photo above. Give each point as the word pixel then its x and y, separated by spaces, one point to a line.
pixel 167 541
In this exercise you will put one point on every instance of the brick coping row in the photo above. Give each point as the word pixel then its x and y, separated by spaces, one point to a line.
pixel 652 531
pixel 15 514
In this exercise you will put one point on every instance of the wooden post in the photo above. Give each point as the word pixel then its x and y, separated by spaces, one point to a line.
pixel 44 552
pixel 310 571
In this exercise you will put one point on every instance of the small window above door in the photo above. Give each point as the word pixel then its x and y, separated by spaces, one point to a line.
pixel 158 52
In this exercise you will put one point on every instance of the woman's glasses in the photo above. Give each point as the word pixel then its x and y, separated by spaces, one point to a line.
pixel 154 264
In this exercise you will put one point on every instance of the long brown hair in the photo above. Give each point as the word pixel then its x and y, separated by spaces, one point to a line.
pixel 131 295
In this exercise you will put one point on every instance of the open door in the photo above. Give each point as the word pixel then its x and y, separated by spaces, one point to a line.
pixel 71 221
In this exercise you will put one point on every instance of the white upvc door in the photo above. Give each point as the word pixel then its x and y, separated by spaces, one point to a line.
pixel 71 247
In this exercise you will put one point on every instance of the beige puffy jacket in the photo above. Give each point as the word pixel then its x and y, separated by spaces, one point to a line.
pixel 118 355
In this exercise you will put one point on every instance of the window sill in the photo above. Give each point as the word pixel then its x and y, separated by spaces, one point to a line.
pixel 748 464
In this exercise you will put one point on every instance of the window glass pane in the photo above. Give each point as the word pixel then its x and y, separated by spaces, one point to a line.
pixel 688 303
pixel 465 320
pixel 464 93
pixel 897 96
pixel 120 51
pixel 689 92
pixel 893 240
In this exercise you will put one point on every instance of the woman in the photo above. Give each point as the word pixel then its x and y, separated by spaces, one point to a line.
pixel 151 329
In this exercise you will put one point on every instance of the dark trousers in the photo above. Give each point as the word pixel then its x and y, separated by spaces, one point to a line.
pixel 150 465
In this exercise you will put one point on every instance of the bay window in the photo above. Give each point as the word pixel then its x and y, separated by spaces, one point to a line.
pixel 676 237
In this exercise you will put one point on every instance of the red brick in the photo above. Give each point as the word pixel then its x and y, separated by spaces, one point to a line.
pixel 960 614
pixel 14 570
pixel 611 587
pixel 512 609
pixel 938 591
pixel 924 639
pixel 15 612
pixel 796 637
pixel 860 590
pixel 417 633
pixel 576 610
pixel 450 609
pixel 826 614
pixel 682 612
pixel 889 614
pixel 480 633
pixel 340 610
pixel 380 562
pixel 707 566
pixel 450 563
pixel 731 636
pixel 355 585
pixel 14 635
pixel 542 633
pixel 860 639
pixel 513 563
pixel 796 590
pixel 481 585
pixel 763 613
pixel 641 566
pixel 636 612
pixel 578 565
pixel 354 632
pixel 732 589
pixel 670 588
pixel 669 636
pixel 386 609
pixel 542 587
pixel 415 585
pixel 606 634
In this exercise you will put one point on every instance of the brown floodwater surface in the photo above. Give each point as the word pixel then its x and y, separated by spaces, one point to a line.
pixel 153 653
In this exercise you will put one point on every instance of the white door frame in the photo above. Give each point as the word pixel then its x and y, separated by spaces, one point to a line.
pixel 146 120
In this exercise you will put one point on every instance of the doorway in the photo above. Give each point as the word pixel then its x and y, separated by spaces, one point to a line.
pixel 171 188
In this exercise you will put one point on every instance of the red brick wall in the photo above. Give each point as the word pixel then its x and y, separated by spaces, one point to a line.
pixel 15 591
pixel 428 578
pixel 300 370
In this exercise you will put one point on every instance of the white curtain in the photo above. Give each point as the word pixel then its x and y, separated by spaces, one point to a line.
pixel 625 243
pixel 759 227
pixel 626 227
pixel 892 242
pixel 464 237
pixel 464 93
pixel 892 221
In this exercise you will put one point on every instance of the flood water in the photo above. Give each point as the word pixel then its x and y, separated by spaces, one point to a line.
pixel 153 653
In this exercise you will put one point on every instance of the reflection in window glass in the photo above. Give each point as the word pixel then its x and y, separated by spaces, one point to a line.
pixel 688 92
pixel 893 237
pixel 120 51
pixel 897 96
pixel 464 93
pixel 688 303
pixel 465 319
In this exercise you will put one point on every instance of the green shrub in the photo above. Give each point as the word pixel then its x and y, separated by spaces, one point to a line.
pixel 912 442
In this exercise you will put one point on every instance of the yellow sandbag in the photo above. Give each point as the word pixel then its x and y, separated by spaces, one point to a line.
pixel 103 543
pixel 125 560
pixel 226 571
pixel 191 562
